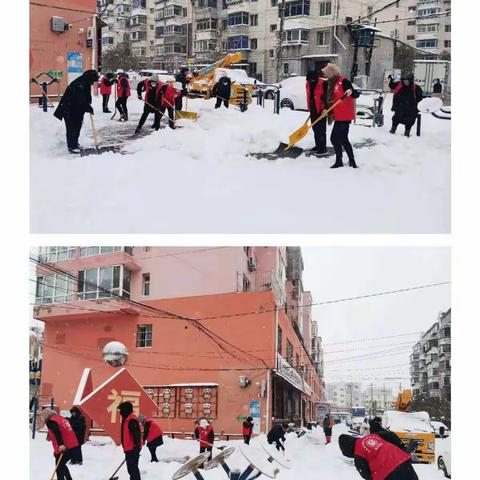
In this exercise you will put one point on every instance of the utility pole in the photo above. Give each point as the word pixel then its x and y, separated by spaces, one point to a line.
pixel 281 11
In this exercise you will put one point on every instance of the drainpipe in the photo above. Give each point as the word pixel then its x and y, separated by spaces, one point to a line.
pixel 267 409
pixel 335 18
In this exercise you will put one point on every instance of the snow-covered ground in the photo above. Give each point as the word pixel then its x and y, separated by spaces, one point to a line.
pixel 311 458
pixel 199 179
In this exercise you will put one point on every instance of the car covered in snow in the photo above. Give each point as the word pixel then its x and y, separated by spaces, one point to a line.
pixel 441 430
pixel 136 78
pixel 293 96
pixel 444 457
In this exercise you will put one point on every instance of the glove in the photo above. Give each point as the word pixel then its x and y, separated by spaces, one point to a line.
pixel 62 448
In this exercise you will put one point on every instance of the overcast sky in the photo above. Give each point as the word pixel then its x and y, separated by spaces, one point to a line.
pixel 332 273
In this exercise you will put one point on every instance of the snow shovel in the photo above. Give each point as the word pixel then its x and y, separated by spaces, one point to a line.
pixel 56 466
pixel 97 149
pixel 298 134
pixel 185 113
pixel 113 477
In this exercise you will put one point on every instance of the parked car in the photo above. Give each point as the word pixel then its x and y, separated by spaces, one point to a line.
pixel 136 78
pixel 443 457
pixel 293 96
pixel 437 426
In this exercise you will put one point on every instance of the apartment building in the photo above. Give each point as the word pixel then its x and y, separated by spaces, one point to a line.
pixel 129 22
pixel 343 396
pixel 378 399
pixel 430 360
pixel 246 351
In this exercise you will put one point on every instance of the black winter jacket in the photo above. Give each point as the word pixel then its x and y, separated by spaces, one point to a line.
pixel 222 88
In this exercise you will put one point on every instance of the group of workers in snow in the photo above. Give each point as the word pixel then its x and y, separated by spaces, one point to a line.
pixel 324 89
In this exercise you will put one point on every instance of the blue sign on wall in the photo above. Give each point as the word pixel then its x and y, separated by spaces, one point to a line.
pixel 255 413
pixel 74 65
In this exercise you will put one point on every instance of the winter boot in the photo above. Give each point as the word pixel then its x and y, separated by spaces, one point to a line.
pixel 319 150
pixel 407 132
pixel 74 150
pixel 138 129
pixel 351 163
pixel 338 163
pixel 394 128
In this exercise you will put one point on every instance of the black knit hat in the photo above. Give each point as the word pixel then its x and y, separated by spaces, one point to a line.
pixel 312 76
pixel 347 445
pixel 92 76
pixel 126 408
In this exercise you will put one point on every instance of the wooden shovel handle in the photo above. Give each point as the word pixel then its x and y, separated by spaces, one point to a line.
pixel 56 466
pixel 340 100
pixel 94 130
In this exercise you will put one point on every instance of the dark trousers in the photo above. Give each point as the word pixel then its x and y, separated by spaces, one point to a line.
pixel 206 449
pixel 278 444
pixel 105 100
pixel 131 459
pixel 147 110
pixel 219 102
pixel 76 455
pixel 122 105
pixel 73 125
pixel 339 139
pixel 246 439
pixel 171 115
pixel 178 102
pixel 404 471
pixel 407 120
pixel 152 447
pixel 319 131
pixel 62 471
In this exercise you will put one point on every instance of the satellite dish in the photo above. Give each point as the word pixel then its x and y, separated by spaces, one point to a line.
pixel 276 455
pixel 191 466
pixel 219 459
pixel 256 459
pixel 430 105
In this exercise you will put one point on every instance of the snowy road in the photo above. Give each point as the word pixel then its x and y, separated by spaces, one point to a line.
pixel 199 179
pixel 312 460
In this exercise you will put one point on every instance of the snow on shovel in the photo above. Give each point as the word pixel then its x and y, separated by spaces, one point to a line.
pixel 300 133
pixel 430 105
pixel 97 149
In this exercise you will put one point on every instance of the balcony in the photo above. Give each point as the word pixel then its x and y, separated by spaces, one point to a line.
pixel 262 281
pixel 290 374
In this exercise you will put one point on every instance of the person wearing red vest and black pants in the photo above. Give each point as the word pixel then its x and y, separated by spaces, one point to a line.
pixel 63 439
pixel 343 113
pixel 152 88
pixel 327 425
pixel 123 92
pixel 131 439
pixel 406 95
pixel 377 459
pixel 106 83
pixel 152 435
pixel 206 436
pixel 169 94
pixel 247 430
pixel 316 92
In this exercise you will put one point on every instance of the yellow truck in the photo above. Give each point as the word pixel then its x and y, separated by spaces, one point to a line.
pixel 413 426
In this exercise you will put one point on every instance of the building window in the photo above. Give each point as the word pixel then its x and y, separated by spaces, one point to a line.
pixel 326 9
pixel 271 53
pixel 410 37
pixel 139 3
pixel 237 18
pixel 206 4
pixel 205 46
pixel 298 8
pixel 448 28
pixel 54 289
pixel 146 284
pixel 428 43
pixel 104 282
pixel 253 44
pixel 447 44
pixel 274 3
pixel 279 340
pixel 91 251
pixel 206 24
pixel 426 12
pixel 323 38
pixel 239 42
pixel 273 27
pixel 289 352
pixel 285 68
pixel 431 27
pixel 56 254
pixel 144 336
pixel 253 20
pixel 411 23
pixel 297 35
pixel 107 41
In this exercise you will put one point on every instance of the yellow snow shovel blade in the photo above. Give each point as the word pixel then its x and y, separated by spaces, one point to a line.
pixel 182 114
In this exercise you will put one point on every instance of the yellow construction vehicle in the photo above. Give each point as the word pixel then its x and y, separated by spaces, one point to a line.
pixel 202 83
pixel 412 426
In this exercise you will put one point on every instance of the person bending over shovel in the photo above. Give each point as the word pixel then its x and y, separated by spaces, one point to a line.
pixel 76 101
pixel 376 458
pixel 222 90
pixel 169 93
pixel 152 87
pixel 63 439
pixel 277 435
pixel 343 113
pixel 206 435
pixel 152 435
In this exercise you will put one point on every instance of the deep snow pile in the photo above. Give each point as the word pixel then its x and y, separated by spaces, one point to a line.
pixel 311 459
pixel 199 179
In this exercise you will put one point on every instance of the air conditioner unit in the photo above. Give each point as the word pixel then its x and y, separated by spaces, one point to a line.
pixel 90 33
pixel 244 382
pixel 252 264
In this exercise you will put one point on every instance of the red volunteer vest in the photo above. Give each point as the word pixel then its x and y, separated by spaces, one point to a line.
pixel 155 431
pixel 382 457
pixel 169 96
pixel 127 443
pixel 68 435
pixel 147 88
pixel 399 87
pixel 204 436
pixel 317 94
pixel 120 92
pixel 346 109
pixel 246 430
pixel 104 88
